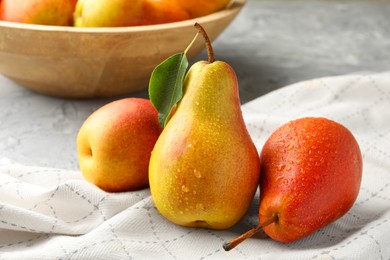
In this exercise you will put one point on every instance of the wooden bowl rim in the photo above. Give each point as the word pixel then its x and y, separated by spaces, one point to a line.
pixel 235 6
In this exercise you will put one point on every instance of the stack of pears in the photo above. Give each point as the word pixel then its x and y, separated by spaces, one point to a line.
pixel 204 169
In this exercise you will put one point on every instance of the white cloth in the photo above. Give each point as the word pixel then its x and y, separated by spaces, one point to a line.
pixel 48 213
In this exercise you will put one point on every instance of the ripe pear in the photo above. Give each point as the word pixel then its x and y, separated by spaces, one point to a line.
pixel 311 170
pixel 115 13
pixel 198 8
pixel 204 169
pixel 103 13
pixel 114 144
pixel 46 12
pixel 159 12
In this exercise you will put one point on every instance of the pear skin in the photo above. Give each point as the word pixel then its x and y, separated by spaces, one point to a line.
pixel 312 170
pixel 204 169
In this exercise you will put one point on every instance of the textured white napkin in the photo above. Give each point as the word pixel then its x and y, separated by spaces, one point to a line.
pixel 55 214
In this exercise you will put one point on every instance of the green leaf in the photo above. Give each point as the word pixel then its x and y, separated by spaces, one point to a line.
pixel 166 85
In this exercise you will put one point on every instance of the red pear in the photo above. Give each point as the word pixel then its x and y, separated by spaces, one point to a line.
pixel 311 170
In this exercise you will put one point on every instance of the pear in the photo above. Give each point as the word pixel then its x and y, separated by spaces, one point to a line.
pixel 204 169
pixel 311 172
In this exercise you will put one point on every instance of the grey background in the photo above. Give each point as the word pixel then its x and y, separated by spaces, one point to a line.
pixel 278 42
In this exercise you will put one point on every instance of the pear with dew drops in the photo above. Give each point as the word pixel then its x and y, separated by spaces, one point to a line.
pixel 311 172
pixel 204 169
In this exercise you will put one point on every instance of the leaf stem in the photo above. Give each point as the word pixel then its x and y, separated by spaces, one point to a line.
pixel 233 243
pixel 191 43
pixel 209 48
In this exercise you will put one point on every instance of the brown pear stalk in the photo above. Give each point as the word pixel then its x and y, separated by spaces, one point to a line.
pixel 209 47
pixel 238 240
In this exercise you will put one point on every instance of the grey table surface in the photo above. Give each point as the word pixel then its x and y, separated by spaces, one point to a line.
pixel 271 44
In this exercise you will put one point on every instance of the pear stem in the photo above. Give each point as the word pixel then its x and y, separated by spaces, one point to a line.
pixel 209 48
pixel 233 243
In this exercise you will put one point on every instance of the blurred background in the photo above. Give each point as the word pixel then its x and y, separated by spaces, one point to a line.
pixel 273 43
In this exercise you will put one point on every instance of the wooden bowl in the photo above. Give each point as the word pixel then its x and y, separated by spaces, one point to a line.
pixel 98 62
